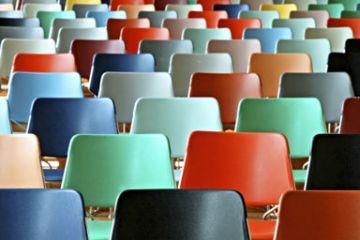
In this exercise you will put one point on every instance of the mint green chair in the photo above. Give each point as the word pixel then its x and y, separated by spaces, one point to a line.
pixel 299 119
pixel 266 17
pixel 350 5
pixel 350 14
pixel 333 9
pixel 297 26
pixel 100 167
pixel 46 18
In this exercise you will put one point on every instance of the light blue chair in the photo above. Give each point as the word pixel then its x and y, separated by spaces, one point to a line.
pixel 268 37
pixel 266 17
pixel 5 127
pixel 101 17
pixel 297 26
pixel 25 87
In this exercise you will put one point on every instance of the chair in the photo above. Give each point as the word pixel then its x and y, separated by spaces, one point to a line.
pixel 224 209
pixel 270 67
pixel 352 45
pixel 5 126
pixel 237 26
pixel 334 9
pixel 132 11
pixel 242 154
pixel 337 36
pixel 350 115
pixel 201 37
pixel 31 9
pixel 320 16
pixel 20 162
pixel 21 32
pixel 156 18
pixel 239 50
pixel 85 50
pixel 228 89
pixel 330 88
pixel 104 62
pixel 46 18
pixel 114 26
pixel 350 14
pixel 59 23
pixel 62 210
pixel 115 3
pixel 11 14
pixel 132 37
pixel 6 7
pixel 125 88
pixel 211 17
pixel 255 4
pixel 283 9
pixel 209 4
pixel 177 26
pixel 182 11
pixel 101 18
pixel 123 162
pixel 233 10
pixel 297 26
pixel 19 22
pixel 266 17
pixel 25 87
pixel 70 3
pixel 81 9
pixel 10 47
pixel 301 5
pixel 353 23
pixel 314 208
pixel 348 4
pixel 160 5
pixel 182 66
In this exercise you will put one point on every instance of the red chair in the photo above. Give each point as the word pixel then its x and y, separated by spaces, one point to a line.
pixel 209 4
pixel 255 164
pixel 114 26
pixel 350 119
pixel 115 3
pixel 353 23
pixel 133 36
pixel 211 17
pixel 237 26
pixel 227 88
pixel 27 62
pixel 84 51
pixel 161 4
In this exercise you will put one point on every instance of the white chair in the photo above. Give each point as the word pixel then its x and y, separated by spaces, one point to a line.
pixel 31 9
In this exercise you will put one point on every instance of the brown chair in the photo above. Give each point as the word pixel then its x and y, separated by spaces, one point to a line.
pixel 114 26
pixel 350 119
pixel 132 11
pixel 212 18
pixel 177 26
pixel 115 3
pixel 320 17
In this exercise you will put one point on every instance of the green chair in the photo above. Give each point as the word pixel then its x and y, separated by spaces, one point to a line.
pixel 100 167
pixel 350 5
pixel 266 17
pixel 317 49
pixel 297 26
pixel 46 18
pixel 333 9
pixel 350 14
pixel 299 119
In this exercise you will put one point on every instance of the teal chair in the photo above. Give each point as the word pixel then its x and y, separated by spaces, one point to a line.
pixel 266 17
pixel 46 18
pixel 333 9
pixel 5 127
pixel 350 5
pixel 317 49
pixel 297 26
pixel 100 167
pixel 299 119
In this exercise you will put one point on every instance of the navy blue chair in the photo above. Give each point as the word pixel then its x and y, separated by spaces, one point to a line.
pixel 42 214
pixel 20 22
pixel 233 10
pixel 105 62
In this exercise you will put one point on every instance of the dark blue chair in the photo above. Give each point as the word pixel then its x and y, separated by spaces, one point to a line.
pixel 105 62
pixel 56 120
pixel 20 22
pixel 233 10
pixel 42 214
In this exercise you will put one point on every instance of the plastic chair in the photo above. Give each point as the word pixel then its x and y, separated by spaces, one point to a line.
pixel 182 11
pixel 156 18
pixel 81 9
pixel 353 23
pixel 266 17
pixel 227 89
pixel 21 32
pixel 5 126
pixel 114 26
pixel 20 162
pixel 334 9
pixel 237 26
pixel 19 22
pixel 301 5
pixel 85 50
pixel 313 209
pixel 330 88
pixel 182 66
pixel 6 7
pixel 211 17
pixel 352 45
pixel 25 87
pixel 62 210
pixel 297 26
pixel 350 14
pixel 209 4
pixel 283 9
pixel 224 209
pixel 337 36
pixel 233 10
pixel 118 63
pixel 58 24
pixel 11 14
pixel 177 26
pixel 268 37
pixel 70 3
pixel 31 9
pixel 242 154
pixel 101 18
pixel 255 4
pixel 163 51
pixel 47 17
pixel 123 162
pixel 115 3
pixel 350 115
pixel 132 11
pixel 132 37
pixel 320 17
pixel 350 5
pixel 270 67
pixel 160 5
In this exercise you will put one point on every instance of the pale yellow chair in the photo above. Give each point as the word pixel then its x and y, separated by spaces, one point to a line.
pixel 70 3
pixel 283 9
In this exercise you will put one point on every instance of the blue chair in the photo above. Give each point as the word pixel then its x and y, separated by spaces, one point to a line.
pixel 268 37
pixel 101 17
pixel 19 22
pixel 42 214
pixel 56 120
pixel 233 10
pixel 5 127
pixel 118 63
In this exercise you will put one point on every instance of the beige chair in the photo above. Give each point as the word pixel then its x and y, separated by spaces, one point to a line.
pixel 321 17
pixel 177 26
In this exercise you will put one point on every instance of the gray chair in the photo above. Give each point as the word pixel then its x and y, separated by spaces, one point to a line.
pixel 81 9
pixel 59 23
pixel 163 50
pixel 11 14
pixel 157 17
pixel 21 32
pixel 330 88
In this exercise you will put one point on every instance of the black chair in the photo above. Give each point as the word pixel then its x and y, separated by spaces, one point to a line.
pixel 19 22
pixel 352 45
pixel 180 214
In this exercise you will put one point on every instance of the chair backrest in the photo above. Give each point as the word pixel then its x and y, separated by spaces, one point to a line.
pixel 243 154
pixel 299 119
pixel 47 17
pixel 183 10
pixel 209 4
pixel 352 45
pixel 5 127
pixel 6 7
pixel 163 51
pixel 301 5
pixel 224 210
pixel 177 26
pixel 233 10
pixel 20 161
pixel 266 17
pixel 123 161
pixel 157 17
pixel 85 50
pixel 31 9
pixel 101 17
pixel 176 118
pixel 350 115
pixel 115 3
pixel 56 120
pixel 334 9
pixel 283 9
pixel 105 62
pixel 348 4
pixel 19 22
pixel 182 66
pixel 70 3
pixel 59 23
pixel 211 17
pixel 81 9
pixel 237 26
pixel 315 208
pixel 160 5
pixel 350 14
pixel 270 67
pixel 132 11
pixel 125 88
pixel 297 26
pixel 320 17
pixel 11 14
pixel 62 209
pixel 255 4
pixel 353 23
pixel 21 32
pixel 114 26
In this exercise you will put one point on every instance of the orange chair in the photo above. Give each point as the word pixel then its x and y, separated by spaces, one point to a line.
pixel 255 164
pixel 350 119
pixel 133 36
pixel 114 26
pixel 209 4
pixel 115 3
pixel 315 215
pixel 227 88
pixel 211 17
pixel 237 26
pixel 353 23
pixel 132 11
pixel 270 68
pixel 27 62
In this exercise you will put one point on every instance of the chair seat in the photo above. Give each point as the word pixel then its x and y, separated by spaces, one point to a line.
pixel 99 230
pixel 261 229
pixel 299 176
pixel 51 175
